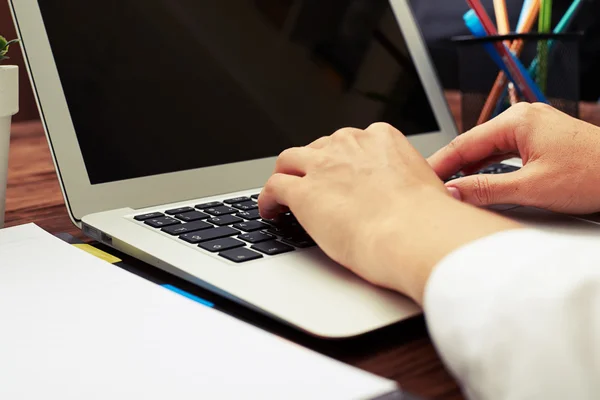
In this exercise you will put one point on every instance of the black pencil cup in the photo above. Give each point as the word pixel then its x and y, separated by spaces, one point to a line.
pixel 559 82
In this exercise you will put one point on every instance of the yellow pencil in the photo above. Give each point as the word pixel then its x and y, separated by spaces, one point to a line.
pixel 502 17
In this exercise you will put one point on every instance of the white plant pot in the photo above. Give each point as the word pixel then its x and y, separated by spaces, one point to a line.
pixel 9 106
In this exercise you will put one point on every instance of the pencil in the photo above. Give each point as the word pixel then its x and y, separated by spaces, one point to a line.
pixel 516 48
pixel 524 13
pixel 520 25
pixel 563 26
pixel 544 26
pixel 525 85
pixel 528 24
pixel 502 17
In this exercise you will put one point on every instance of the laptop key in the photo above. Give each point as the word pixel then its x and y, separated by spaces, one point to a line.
pixel 236 200
pixel 144 217
pixel 249 215
pixel 162 222
pixel 218 211
pixel 215 246
pixel 192 216
pixel 271 222
pixel 240 255
pixel 285 226
pixel 225 220
pixel 302 242
pixel 273 230
pixel 212 204
pixel 272 247
pixel 286 232
pixel 179 210
pixel 246 206
pixel 256 237
pixel 255 196
pixel 250 226
pixel 283 220
pixel 185 228
pixel 208 234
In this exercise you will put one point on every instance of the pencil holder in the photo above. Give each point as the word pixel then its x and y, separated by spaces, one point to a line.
pixel 551 60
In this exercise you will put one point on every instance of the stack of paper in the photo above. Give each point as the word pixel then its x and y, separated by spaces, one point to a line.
pixel 75 327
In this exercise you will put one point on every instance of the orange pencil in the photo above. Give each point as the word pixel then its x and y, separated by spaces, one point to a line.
pixel 504 29
pixel 501 81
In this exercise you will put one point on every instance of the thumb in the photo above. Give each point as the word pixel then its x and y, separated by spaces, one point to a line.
pixel 485 190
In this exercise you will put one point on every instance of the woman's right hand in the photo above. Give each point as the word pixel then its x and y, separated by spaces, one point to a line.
pixel 561 161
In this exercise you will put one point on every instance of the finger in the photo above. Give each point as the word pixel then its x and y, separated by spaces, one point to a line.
pixel 295 161
pixel 277 194
pixel 493 138
pixel 485 190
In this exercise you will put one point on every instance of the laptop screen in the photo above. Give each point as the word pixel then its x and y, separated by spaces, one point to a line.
pixel 159 86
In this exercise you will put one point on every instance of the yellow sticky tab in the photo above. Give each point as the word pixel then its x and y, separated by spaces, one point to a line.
pixel 98 253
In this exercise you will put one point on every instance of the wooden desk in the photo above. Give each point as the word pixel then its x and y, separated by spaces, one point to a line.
pixel 34 196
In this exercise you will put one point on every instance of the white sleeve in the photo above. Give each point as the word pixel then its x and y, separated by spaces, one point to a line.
pixel 516 315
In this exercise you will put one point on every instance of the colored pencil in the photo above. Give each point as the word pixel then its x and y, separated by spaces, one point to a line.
pixel 562 27
pixel 516 48
pixel 519 78
pixel 524 12
pixel 502 17
pixel 544 26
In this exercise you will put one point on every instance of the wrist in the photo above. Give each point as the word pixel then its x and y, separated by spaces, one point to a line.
pixel 421 232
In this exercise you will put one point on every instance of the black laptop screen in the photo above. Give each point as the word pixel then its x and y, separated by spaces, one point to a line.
pixel 158 86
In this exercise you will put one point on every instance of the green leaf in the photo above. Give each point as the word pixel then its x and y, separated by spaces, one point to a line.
pixel 4 45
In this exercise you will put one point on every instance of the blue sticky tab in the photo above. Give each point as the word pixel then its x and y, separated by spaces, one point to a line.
pixel 189 296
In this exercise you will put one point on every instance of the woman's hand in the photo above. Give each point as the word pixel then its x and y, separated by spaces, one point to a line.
pixel 374 205
pixel 561 161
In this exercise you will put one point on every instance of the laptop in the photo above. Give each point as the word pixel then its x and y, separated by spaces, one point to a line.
pixel 165 118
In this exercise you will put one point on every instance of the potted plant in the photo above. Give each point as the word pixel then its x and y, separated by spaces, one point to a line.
pixel 9 106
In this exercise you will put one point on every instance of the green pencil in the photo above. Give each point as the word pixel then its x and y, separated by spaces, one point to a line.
pixel 544 26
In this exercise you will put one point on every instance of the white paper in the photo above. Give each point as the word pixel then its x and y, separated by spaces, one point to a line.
pixel 75 327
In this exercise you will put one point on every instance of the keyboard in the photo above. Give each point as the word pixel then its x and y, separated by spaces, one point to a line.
pixel 492 169
pixel 234 230
pixel 231 228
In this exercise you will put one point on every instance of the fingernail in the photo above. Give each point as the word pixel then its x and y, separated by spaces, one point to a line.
pixel 455 193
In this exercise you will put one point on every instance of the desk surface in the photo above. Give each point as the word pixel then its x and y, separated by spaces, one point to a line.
pixel 34 195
